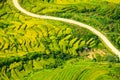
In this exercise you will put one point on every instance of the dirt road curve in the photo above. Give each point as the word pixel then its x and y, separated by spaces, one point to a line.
pixel 103 38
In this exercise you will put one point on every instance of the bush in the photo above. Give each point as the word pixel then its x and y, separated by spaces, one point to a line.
pixel 111 58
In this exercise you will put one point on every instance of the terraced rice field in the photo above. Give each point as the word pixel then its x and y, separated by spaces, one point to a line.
pixel 102 15
pixel 37 49
pixel 24 37
pixel 77 71
pixel 21 34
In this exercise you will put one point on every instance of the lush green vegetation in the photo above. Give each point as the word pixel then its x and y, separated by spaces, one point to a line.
pixel 49 50
pixel 43 67
pixel 21 34
pixel 77 69
pixel 104 16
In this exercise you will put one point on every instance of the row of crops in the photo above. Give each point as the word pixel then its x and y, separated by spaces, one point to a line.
pixel 21 68
pixel 104 16
pixel 79 71
pixel 75 69
pixel 24 37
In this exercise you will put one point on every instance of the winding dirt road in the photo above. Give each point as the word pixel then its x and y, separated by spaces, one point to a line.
pixel 100 35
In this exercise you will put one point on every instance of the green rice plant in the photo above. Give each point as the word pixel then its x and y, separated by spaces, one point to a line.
pixel 28 67
pixel 14 75
pixel 3 75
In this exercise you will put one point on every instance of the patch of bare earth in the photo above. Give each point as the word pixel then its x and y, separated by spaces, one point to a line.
pixel 92 53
